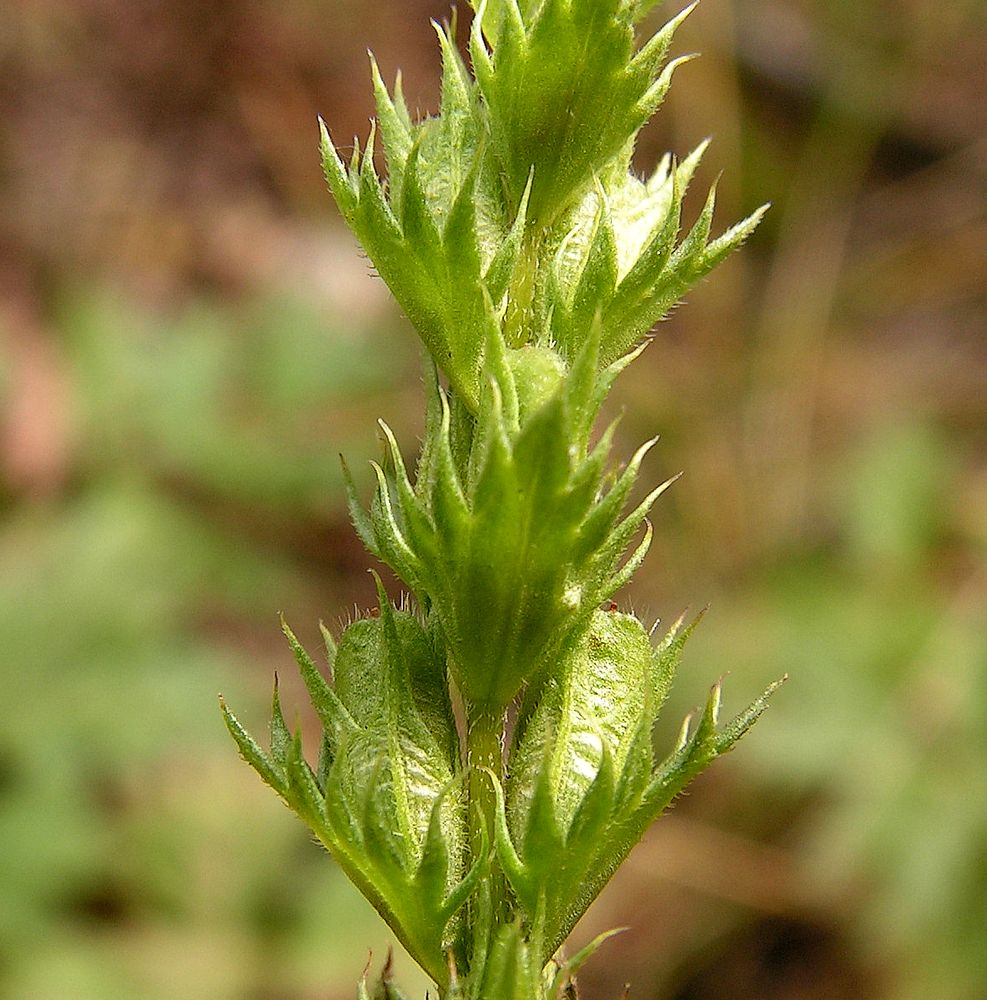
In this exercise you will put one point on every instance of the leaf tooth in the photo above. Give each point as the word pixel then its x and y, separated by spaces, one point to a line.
pixel 599 274
pixel 689 251
pixel 461 250
pixel 417 224
pixel 717 249
pixel 385 844
pixel 582 489
pixel 505 402
pixel 446 498
pixel 660 175
pixel 742 722
pixel 639 8
pixel 562 288
pixel 613 368
pixel 335 719
pixel 497 472
pixel 543 835
pixel 308 801
pixel 666 656
pixel 621 536
pixel 513 37
pixel 501 267
pixel 652 54
pixel 252 753
pixel 674 636
pixel 508 968
pixel 685 170
pixel 545 455
pixel 395 127
pixel 711 711
pixel 340 181
pixel 598 525
pixel 361 521
pixel 330 645
pixel 565 976
pixel 455 80
pixel 418 525
pixel 631 564
pixel 655 94
pixel 684 734
pixel 641 511
pixel 341 818
pixel 375 223
pixel 638 457
pixel 324 766
pixel 636 773
pixel 395 131
pixel 596 804
pixel 405 490
pixel 280 736
pixel 425 470
pixel 370 150
pixel 480 55
pixel 388 537
pixel 399 102
pixel 396 658
pixel 592 467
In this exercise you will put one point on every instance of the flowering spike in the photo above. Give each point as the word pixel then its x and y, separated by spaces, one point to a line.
pixel 532 263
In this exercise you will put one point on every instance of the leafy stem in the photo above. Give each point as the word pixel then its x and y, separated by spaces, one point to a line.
pixel 531 260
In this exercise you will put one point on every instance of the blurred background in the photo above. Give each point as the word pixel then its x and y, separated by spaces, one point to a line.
pixel 188 338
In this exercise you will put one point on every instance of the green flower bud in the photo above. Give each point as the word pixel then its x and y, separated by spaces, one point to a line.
pixel 538 373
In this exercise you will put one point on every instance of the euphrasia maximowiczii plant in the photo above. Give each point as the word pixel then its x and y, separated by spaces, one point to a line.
pixel 531 261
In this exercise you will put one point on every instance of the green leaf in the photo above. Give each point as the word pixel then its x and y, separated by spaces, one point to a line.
pixel 512 971
pixel 560 793
pixel 542 62
pixel 387 800
pixel 514 560
pixel 306 796
pixel 699 744
pixel 660 278
pixel 599 277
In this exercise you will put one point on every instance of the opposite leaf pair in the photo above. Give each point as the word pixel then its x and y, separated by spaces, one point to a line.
pixel 503 214
pixel 514 530
pixel 387 795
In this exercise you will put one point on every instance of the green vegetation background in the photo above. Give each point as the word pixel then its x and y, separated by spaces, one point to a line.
pixel 188 339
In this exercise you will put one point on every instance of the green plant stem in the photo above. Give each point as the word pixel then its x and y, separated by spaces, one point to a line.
pixel 485 755
pixel 517 322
